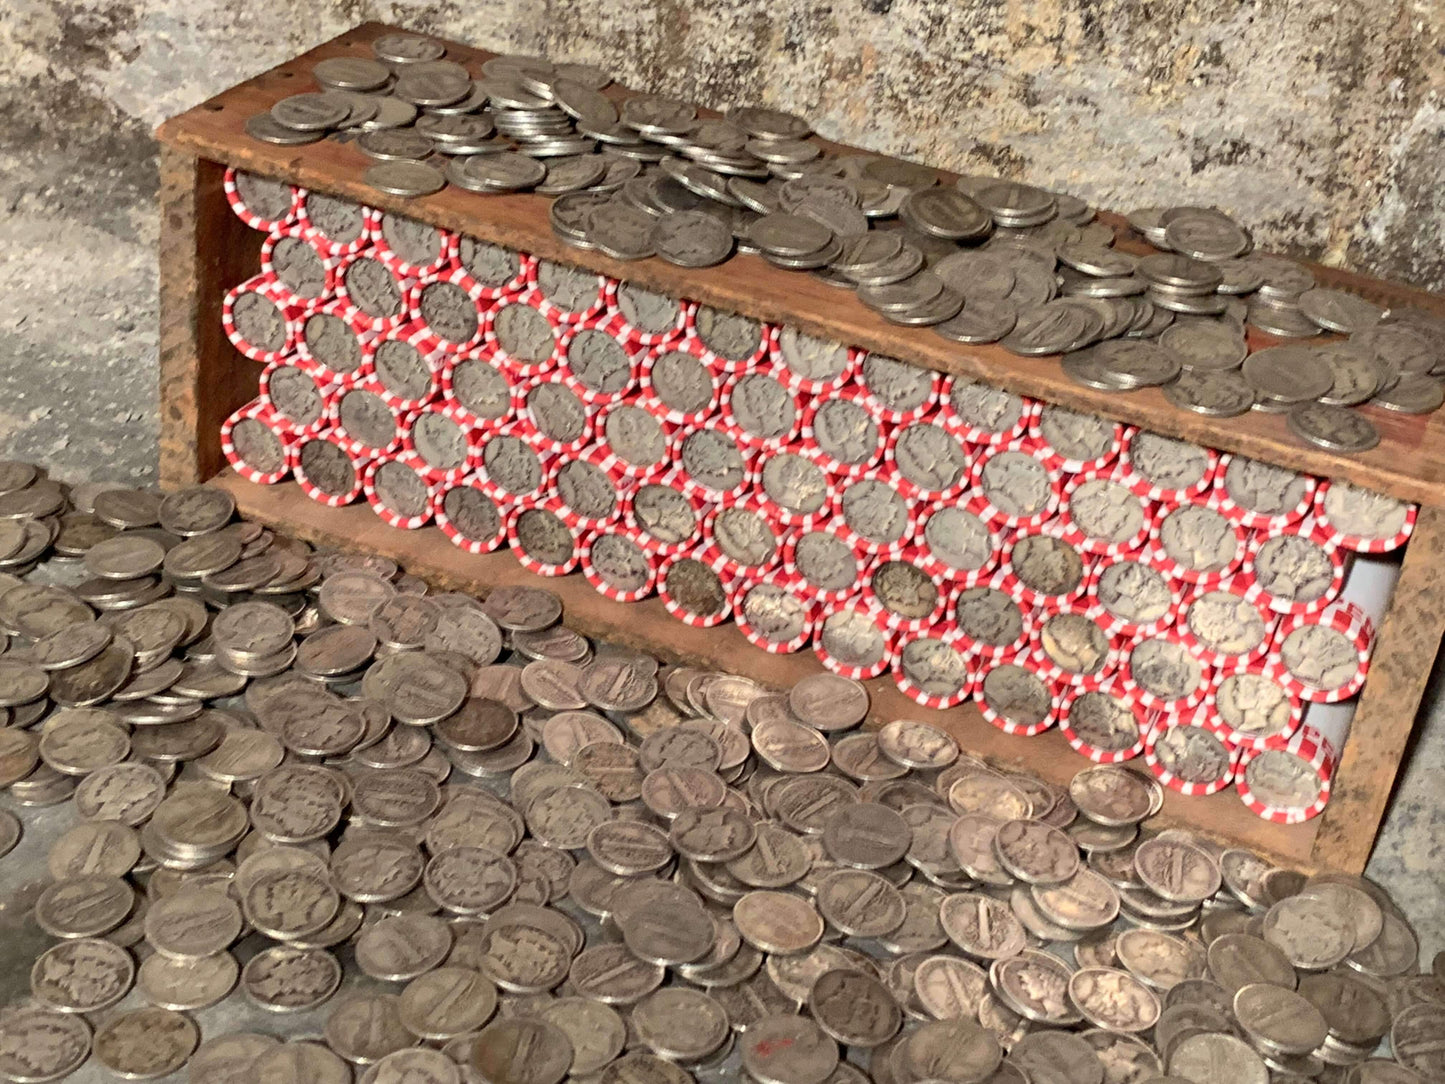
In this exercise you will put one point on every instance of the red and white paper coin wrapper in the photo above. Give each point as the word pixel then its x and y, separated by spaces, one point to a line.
pixel 845 626
pixel 1288 785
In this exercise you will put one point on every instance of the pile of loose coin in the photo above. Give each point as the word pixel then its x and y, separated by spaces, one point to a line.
pixel 983 260
pixel 554 859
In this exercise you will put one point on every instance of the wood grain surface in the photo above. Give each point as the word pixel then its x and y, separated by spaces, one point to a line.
pixel 204 251
pixel 1406 644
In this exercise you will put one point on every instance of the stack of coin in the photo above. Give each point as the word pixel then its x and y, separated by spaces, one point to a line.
pixel 524 841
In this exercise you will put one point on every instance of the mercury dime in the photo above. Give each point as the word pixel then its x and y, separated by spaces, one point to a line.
pixel 1334 428
pixel 982 926
pixel 146 1043
pixel 1111 795
pixel 1035 985
pixel 854 1008
pixel 81 976
pixel 227 1059
pixel 1016 484
pixel 401 947
pixel 1214 394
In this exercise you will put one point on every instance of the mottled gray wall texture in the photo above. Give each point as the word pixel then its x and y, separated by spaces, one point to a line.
pixel 1317 122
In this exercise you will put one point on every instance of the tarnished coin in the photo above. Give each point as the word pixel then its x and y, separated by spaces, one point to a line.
pixel 81 976
pixel 146 1043
pixel 786 1049
pixel 290 979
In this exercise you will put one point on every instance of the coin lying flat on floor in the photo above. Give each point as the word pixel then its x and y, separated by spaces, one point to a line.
pixel 769 909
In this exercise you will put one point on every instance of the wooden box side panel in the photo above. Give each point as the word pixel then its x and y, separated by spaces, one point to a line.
pixel 204 251
pixel 1406 644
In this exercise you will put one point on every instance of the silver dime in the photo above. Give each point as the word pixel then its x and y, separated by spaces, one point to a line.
pixel 1334 428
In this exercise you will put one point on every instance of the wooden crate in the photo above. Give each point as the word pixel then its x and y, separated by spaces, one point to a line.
pixel 205 250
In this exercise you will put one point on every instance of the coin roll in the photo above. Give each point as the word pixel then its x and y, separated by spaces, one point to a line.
pixel 257 446
pixel 529 351
pixel 985 417
pixel 1043 569
pixel 1040 501
pixel 1361 521
pixel 1193 563
pixel 440 443
pixel 471 519
pixel 618 565
pixel 639 447
pixel 1311 581
pixel 408 375
pixel 992 621
pixel 1071 647
pixel 936 538
pixel 555 414
pixel 474 387
pixel 590 491
pixel 744 539
pixel 713 465
pixel 1295 655
pixel 851 640
pixel 926 462
pixel 295 267
pixel 495 272
pixel 298 396
pixel 1070 442
pixel 878 376
pixel 364 422
pixel 1259 496
pixel 571 295
pixel 326 471
pixel 1137 598
pixel 512 467
pixel 1299 776
pixel 260 320
pixel 1098 531
pixel 541 538
pixel 822 379
pixel 335 226
pixel 667 519
pixel 745 360
pixel 452 308
pixel 411 249
pixel 592 380
pixel 692 590
pixel 271 205
pixel 1163 673
pixel 1192 761
pixel 334 338
pixel 912 599
pixel 375 294
pixel 932 669
pixel 1227 623
pixel 680 382
pixel 1103 724
pixel 1251 709
pixel 625 319
pixel 1015 696
pixel 822 563
pixel 839 456
pixel 1166 470
pixel 398 490
pixel 772 615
